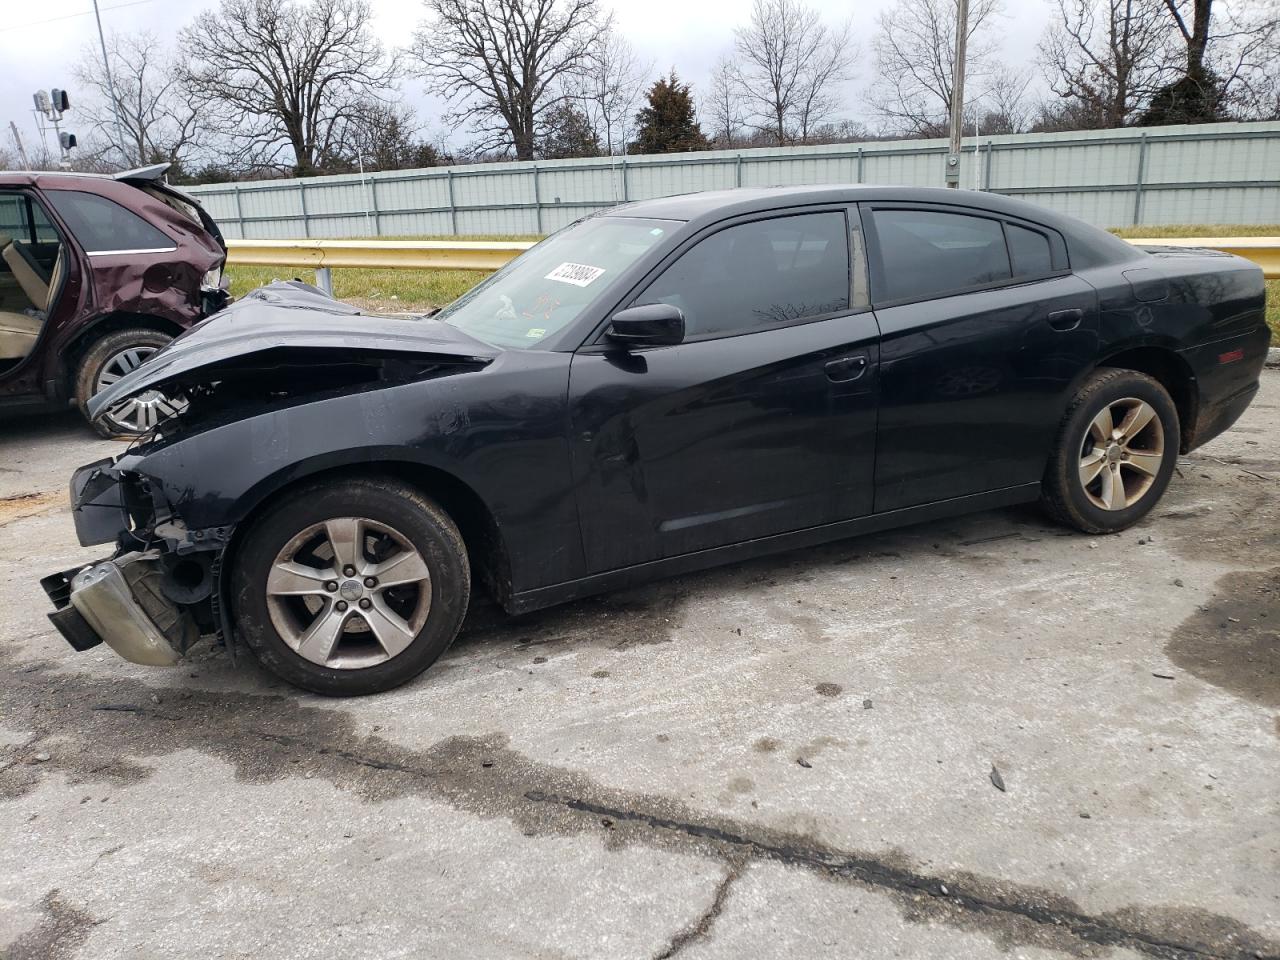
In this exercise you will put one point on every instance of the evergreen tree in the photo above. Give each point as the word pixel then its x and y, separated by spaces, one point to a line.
pixel 568 134
pixel 667 123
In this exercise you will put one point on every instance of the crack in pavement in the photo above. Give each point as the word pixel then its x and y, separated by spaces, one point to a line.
pixel 874 872
pixel 701 928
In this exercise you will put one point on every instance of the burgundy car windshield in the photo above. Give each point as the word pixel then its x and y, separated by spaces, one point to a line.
pixel 541 292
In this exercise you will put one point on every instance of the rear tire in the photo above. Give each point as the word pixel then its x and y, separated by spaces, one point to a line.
pixel 113 356
pixel 350 587
pixel 1115 453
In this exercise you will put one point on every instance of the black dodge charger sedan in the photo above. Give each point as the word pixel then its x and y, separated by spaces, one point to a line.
pixel 665 386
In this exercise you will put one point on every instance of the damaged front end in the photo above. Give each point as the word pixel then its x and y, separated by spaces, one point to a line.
pixel 154 599
pixel 280 371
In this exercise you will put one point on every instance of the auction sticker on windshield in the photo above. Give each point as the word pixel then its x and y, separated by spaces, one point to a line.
pixel 578 274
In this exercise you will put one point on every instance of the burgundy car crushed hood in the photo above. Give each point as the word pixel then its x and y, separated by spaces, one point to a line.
pixel 278 332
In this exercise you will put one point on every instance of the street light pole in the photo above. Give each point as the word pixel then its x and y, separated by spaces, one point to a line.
pixel 957 95
pixel 111 87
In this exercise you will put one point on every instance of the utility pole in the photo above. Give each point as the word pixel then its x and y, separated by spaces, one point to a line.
pixel 957 95
pixel 22 152
pixel 111 86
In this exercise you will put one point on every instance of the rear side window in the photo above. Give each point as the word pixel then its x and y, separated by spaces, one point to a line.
pixel 925 253
pixel 104 226
pixel 24 220
pixel 13 216
pixel 759 274
pixel 1029 251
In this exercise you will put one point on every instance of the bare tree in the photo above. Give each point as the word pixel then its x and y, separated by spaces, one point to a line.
pixel 914 49
pixel 159 118
pixel 504 64
pixel 283 78
pixel 726 112
pixel 1105 59
pixel 1004 107
pixel 612 79
pixel 1231 54
pixel 791 66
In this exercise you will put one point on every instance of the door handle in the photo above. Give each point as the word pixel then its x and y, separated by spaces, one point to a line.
pixel 1066 320
pixel 846 369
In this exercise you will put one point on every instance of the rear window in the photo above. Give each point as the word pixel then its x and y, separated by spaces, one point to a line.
pixel 1029 250
pixel 104 226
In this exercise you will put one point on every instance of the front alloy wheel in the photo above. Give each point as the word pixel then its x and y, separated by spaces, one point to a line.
pixel 349 593
pixel 348 587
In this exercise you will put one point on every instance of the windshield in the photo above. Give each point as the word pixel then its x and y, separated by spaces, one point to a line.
pixel 543 291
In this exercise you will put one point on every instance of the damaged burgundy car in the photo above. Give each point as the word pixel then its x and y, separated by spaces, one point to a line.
pixel 97 273
pixel 663 387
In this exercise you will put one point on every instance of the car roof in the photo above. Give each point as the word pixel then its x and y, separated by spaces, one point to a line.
pixel 1087 244
pixel 745 200
pixel 30 178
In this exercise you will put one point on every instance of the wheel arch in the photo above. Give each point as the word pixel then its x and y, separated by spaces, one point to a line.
pixel 1168 368
pixel 481 533
pixel 105 325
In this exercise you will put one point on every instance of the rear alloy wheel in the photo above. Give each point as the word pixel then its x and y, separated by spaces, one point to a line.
pixel 1115 454
pixel 351 587
pixel 1122 453
pixel 111 359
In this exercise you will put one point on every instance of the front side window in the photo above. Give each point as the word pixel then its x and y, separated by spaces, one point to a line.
pixel 541 292
pixel 926 253
pixel 104 226
pixel 759 274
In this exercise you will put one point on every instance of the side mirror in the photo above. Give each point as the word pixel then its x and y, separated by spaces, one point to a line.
pixel 653 324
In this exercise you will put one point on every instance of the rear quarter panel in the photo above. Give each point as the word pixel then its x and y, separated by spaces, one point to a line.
pixel 1207 308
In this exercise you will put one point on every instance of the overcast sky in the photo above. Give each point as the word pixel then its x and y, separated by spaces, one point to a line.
pixel 40 42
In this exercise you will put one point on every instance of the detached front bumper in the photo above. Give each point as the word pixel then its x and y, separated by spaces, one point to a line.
pixel 120 602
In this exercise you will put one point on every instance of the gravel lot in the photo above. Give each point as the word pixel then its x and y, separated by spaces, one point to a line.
pixel 795 756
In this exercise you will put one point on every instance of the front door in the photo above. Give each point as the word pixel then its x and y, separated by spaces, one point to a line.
pixel 762 421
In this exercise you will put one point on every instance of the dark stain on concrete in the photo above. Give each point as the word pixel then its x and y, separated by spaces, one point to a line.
pixel 828 689
pixel 767 745
pixel 1233 641
pixel 62 930
pixel 1241 524
pixel 105 729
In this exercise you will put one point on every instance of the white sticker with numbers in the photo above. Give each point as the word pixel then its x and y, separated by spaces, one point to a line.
pixel 578 274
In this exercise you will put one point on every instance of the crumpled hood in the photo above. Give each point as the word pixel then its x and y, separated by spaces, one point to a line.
pixel 288 315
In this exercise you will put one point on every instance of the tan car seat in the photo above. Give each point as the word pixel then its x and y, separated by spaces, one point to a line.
pixel 20 331
pixel 28 274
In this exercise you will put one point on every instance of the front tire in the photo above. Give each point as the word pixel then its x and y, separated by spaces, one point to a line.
pixel 351 587
pixel 1115 453
pixel 114 356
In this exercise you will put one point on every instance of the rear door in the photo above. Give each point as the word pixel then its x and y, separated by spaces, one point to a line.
pixel 984 327
pixel 129 257
pixel 762 421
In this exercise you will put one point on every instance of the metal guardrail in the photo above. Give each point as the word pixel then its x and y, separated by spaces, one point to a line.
pixel 325 255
